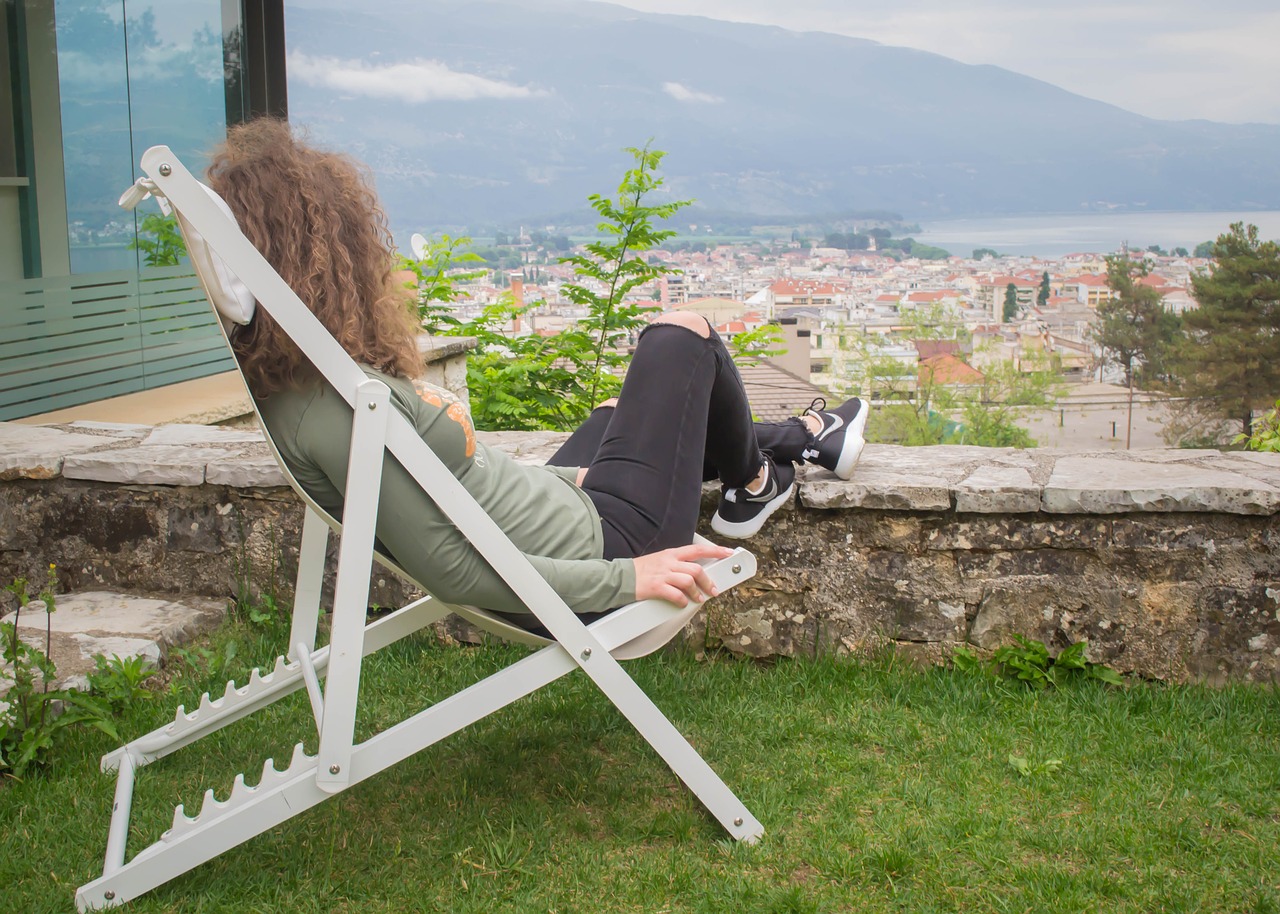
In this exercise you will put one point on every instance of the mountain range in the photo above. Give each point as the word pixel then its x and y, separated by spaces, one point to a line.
pixel 477 113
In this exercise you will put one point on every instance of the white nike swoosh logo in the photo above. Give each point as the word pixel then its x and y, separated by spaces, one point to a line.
pixel 836 427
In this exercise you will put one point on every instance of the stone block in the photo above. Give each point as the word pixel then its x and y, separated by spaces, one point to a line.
pixel 204 528
pixel 1108 485
pixel 998 490
pixel 1034 562
pixel 164 465
pixel 100 623
pixel 245 472
pixel 1237 634
pixel 126 430
pixel 103 523
pixel 37 452
pixel 202 436
pixel 879 491
pixel 1014 532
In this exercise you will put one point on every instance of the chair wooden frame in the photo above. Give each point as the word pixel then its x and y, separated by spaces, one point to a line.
pixel 339 763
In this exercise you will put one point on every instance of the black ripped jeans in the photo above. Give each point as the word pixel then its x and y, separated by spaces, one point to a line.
pixel 682 417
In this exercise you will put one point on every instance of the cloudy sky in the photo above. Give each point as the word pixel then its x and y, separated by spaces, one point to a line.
pixel 1171 59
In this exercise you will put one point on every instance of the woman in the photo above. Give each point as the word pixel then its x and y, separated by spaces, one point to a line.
pixel 611 519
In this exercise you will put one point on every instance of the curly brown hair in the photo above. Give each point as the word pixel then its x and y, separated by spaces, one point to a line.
pixel 315 218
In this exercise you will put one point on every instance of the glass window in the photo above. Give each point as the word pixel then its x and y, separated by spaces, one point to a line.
pixel 131 75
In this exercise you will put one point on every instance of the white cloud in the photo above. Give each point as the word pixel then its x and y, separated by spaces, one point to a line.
pixel 683 93
pixel 416 81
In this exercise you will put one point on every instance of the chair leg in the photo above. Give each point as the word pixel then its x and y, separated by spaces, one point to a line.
pixel 306 592
pixel 351 591
pixel 281 795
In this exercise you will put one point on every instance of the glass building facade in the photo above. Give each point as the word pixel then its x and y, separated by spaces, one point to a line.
pixel 85 311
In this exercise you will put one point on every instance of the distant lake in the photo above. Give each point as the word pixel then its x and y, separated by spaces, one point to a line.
pixel 1052 236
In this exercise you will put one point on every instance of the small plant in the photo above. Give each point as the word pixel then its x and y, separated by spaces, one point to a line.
pixel 520 380
pixel 119 681
pixel 1030 769
pixel 444 264
pixel 33 716
pixel 1266 432
pixel 614 263
pixel 754 346
pixel 1029 661
pixel 215 665
pixel 160 241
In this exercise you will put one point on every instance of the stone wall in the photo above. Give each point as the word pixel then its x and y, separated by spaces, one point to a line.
pixel 1166 561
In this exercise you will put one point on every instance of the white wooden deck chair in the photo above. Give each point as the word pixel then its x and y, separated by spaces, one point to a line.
pixel 234 276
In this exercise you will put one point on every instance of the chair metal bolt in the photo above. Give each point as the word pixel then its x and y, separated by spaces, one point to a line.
pixel 737 569
pixel 373 405
pixel 586 653
pixel 109 895
pixel 334 769
pixel 738 821
pixel 165 170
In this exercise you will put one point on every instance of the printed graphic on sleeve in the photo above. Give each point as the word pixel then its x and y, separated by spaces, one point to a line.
pixel 453 408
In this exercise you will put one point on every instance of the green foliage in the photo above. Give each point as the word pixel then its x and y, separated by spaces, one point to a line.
pixel 204 666
pixel 119 681
pixel 1028 661
pixel 516 381
pixel 758 344
pixel 1133 329
pixel 1228 362
pixel 1030 769
pixel 34 718
pixel 847 241
pixel 159 240
pixel 614 264
pixel 445 263
pixel 1265 435
pixel 912 248
pixel 1204 249
pixel 979 253
pixel 1011 306
pixel 523 381
pixel 988 413
pixel 918 409
pixel 1042 295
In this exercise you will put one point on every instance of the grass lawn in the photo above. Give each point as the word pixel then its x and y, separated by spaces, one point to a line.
pixel 881 788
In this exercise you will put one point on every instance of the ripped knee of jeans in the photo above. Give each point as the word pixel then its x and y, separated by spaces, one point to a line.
pixel 695 322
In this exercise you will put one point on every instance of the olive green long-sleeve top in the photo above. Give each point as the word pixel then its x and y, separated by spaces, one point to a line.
pixel 545 514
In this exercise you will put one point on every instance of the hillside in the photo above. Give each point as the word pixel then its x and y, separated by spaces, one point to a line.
pixel 755 119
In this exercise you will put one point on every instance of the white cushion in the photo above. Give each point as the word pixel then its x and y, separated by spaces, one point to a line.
pixel 229 296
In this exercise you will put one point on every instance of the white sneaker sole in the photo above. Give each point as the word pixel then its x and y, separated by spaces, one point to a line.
pixel 854 441
pixel 747 528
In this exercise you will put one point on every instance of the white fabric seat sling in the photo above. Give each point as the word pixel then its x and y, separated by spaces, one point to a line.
pixel 234 275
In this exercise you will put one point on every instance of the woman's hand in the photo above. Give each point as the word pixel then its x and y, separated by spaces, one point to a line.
pixel 675 575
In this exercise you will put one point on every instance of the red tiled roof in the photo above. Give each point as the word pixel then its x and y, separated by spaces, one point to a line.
pixel 802 287
pixel 930 348
pixel 947 369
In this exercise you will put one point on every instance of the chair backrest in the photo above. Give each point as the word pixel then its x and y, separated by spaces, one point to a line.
pixel 207 235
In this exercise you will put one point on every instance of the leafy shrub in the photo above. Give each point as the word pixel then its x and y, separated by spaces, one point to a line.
pixel 1029 661
pixel 523 381
pixel 33 716
pixel 119 681
pixel 1266 432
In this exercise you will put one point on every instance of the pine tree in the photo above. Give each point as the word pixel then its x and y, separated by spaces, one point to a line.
pixel 1133 329
pixel 1010 302
pixel 1042 297
pixel 1229 360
